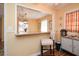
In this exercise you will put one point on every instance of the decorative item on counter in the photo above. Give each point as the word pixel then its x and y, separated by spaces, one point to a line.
pixel 63 32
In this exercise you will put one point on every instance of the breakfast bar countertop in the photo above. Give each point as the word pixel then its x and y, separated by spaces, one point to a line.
pixel 72 37
pixel 37 33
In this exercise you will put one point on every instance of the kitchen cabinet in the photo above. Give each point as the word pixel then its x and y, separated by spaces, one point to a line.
pixel 66 44
pixel 76 47
pixel 71 45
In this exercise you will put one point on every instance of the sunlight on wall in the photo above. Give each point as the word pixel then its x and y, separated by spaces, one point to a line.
pixel 44 26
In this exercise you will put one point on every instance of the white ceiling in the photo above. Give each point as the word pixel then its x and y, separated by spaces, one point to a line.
pixel 30 13
pixel 57 4
pixel 49 4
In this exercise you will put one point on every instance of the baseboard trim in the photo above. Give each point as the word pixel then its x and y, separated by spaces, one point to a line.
pixel 38 53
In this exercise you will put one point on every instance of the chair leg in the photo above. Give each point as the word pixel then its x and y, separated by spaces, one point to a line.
pixel 41 50
pixel 53 48
pixel 50 49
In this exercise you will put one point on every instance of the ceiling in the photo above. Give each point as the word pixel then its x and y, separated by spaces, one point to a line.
pixel 49 4
pixel 28 13
pixel 52 5
pixel 57 4
pixel 35 14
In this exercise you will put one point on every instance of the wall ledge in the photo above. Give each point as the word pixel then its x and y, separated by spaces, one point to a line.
pixel 26 34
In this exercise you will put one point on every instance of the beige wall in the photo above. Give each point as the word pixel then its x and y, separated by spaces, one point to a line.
pixel 33 26
pixel 24 45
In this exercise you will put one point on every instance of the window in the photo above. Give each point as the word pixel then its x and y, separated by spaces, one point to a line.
pixel 72 21
pixel 44 26
pixel 23 27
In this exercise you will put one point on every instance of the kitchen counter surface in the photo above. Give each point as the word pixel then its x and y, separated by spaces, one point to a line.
pixel 72 37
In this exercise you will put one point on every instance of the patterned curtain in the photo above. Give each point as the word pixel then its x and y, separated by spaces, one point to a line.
pixel 78 21
pixel 72 21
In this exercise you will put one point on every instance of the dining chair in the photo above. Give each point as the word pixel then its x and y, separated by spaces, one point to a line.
pixel 46 42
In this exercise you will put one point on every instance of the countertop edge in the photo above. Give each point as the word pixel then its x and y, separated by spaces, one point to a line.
pixel 17 35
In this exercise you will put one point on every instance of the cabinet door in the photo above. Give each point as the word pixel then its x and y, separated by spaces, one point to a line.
pixel 66 44
pixel 76 47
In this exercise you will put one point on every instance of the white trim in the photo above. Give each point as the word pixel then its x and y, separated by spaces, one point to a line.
pixel 64 21
pixel 52 33
pixel 15 18
pixel 38 53
pixel 53 26
pixel 5 40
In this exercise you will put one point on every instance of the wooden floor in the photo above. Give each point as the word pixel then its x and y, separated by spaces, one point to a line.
pixel 1 49
pixel 57 53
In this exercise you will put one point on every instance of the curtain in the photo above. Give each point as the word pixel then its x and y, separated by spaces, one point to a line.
pixel 72 21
